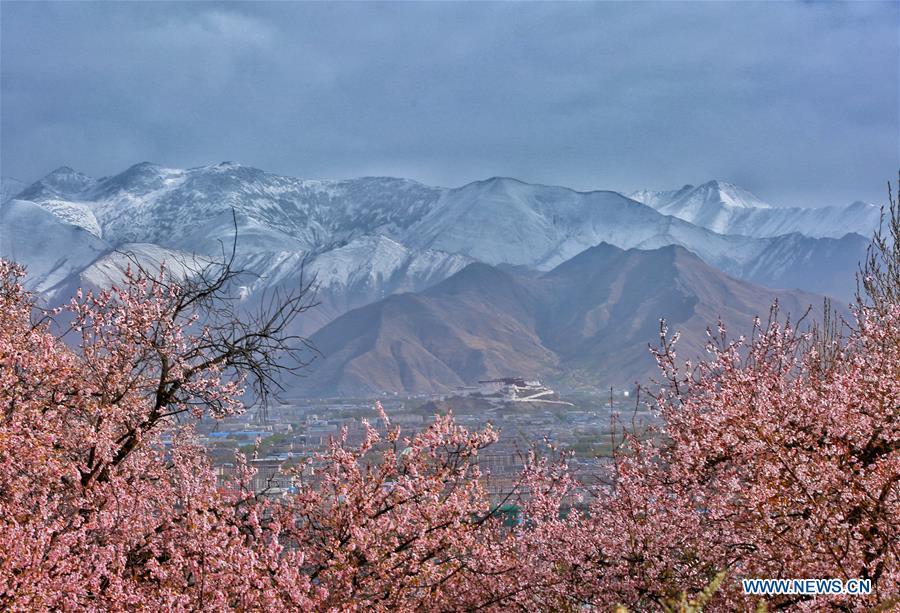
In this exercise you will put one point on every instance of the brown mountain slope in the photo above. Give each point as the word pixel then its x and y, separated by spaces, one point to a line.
pixel 602 308
pixel 589 320
pixel 479 322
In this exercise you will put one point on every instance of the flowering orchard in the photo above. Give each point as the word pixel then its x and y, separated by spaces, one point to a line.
pixel 97 513
pixel 778 457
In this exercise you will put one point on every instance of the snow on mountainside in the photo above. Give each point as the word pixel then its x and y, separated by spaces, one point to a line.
pixel 829 221
pixel 496 221
pixel 370 237
pixel 149 203
pixel 110 268
pixel 51 248
pixel 364 270
pixel 507 221
pixel 61 184
pixel 376 260
pixel 657 198
pixel 342 232
pixel 694 198
pixel 711 205
pixel 75 213
pixel 728 209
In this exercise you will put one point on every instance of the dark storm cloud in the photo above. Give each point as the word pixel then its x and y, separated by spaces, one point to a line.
pixel 798 102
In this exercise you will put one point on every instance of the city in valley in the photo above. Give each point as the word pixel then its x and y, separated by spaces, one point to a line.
pixel 283 436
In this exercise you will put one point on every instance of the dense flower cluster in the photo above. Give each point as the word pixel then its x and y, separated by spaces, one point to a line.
pixel 772 461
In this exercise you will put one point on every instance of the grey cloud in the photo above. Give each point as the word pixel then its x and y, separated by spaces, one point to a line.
pixel 798 102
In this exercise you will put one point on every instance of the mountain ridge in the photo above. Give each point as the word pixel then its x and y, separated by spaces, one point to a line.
pixel 369 237
pixel 592 317
pixel 728 209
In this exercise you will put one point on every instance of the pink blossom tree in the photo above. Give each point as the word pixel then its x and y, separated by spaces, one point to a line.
pixel 95 511
pixel 777 457
pixel 108 502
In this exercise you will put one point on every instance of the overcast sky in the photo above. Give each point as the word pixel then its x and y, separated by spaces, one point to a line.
pixel 797 102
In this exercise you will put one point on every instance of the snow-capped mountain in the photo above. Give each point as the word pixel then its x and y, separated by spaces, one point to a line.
pixel 367 238
pixel 711 205
pixel 495 221
pixel 720 192
pixel 381 263
pixel 176 208
pixel 728 209
pixel 51 248
pixel 64 183
pixel 288 229
pixel 504 220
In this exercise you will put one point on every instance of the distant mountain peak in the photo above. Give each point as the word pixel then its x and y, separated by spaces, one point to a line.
pixel 499 179
pixel 729 195
pixel 602 249
pixel 490 184
pixel 141 168
pixel 479 271
pixel 716 183
pixel 66 173
pixel 63 182
pixel 225 166
pixel 149 167
pixel 711 193
pixel 62 170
